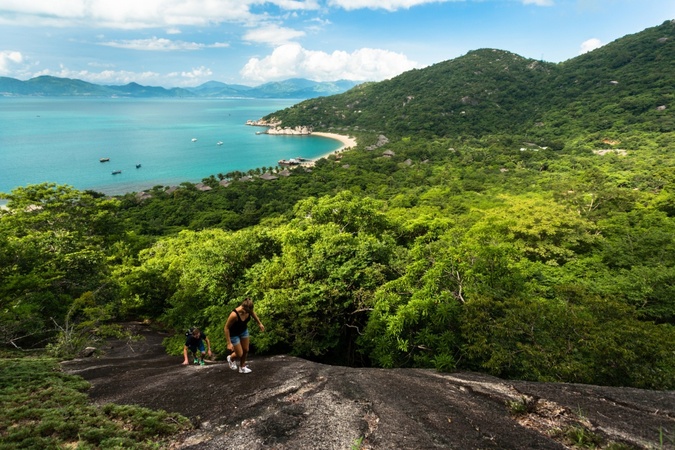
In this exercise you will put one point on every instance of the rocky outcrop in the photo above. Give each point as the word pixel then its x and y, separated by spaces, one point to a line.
pixel 274 127
pixel 290 131
pixel 381 140
pixel 263 123
pixel 290 403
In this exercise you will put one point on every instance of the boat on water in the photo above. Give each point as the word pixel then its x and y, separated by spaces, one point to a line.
pixel 138 166
pixel 115 172
pixel 194 139
pixel 219 143
pixel 104 159
pixel 288 162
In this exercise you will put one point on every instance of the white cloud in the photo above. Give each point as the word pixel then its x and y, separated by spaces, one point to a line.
pixel 272 34
pixel 100 65
pixel 538 2
pixel 156 44
pixel 174 79
pixel 138 14
pixel 105 76
pixel 294 5
pixel 191 78
pixel 201 72
pixel 320 22
pixel 589 45
pixel 8 60
pixel 291 60
pixel 389 5
pixel 124 14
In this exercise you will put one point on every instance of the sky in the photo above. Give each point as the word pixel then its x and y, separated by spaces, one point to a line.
pixel 184 43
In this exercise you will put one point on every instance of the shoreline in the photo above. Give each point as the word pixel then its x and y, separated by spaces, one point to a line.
pixel 347 143
pixel 274 128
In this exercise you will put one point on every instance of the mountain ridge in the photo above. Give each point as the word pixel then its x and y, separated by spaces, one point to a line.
pixel 50 86
pixel 488 91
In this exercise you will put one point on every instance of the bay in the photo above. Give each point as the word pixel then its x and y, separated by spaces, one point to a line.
pixel 62 140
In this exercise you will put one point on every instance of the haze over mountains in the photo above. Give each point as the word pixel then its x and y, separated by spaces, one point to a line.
pixel 48 86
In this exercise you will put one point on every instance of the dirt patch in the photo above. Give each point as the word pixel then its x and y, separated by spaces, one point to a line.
pixel 290 403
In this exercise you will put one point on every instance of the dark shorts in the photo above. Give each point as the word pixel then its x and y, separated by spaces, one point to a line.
pixel 199 347
pixel 236 339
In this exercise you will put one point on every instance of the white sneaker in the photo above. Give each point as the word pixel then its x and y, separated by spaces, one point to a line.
pixel 244 369
pixel 233 365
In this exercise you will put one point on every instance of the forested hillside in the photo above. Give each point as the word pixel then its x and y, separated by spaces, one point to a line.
pixel 615 88
pixel 521 223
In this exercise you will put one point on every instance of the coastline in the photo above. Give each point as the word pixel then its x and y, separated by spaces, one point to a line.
pixel 347 143
pixel 37 153
pixel 274 128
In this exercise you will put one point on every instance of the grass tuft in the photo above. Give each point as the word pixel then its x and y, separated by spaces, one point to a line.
pixel 46 408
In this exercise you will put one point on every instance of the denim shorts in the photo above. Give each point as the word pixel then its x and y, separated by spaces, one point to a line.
pixel 199 347
pixel 235 339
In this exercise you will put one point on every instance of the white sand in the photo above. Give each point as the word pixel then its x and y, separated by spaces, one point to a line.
pixel 347 143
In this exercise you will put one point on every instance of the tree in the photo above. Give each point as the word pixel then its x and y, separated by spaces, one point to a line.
pixel 317 292
pixel 194 277
pixel 54 244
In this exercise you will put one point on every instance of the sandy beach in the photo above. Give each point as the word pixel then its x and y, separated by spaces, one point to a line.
pixel 347 143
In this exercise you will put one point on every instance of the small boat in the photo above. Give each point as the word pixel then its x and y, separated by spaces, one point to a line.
pixel 288 162
pixel 194 139
pixel 138 166
pixel 104 159
pixel 219 143
pixel 115 172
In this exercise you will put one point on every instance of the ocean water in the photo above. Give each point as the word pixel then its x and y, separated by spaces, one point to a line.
pixel 62 140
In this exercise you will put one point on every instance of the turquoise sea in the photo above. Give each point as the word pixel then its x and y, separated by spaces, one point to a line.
pixel 62 141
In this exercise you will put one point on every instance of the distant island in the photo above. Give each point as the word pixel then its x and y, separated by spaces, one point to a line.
pixel 49 86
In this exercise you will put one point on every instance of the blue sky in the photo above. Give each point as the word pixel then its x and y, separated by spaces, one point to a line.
pixel 178 43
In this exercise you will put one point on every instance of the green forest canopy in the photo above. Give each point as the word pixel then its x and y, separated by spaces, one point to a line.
pixel 531 237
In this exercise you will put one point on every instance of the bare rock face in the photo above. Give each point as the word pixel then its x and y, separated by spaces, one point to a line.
pixel 87 352
pixel 290 403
